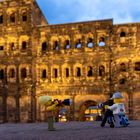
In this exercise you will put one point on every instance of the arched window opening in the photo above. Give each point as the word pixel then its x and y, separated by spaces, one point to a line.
pixel 67 72
pixel 101 42
pixel 56 46
pixel 11 73
pixel 12 46
pixel 1 74
pixel 122 67
pixel 137 66
pixel 78 71
pixel 23 73
pixel 1 48
pixel 55 73
pixel 44 47
pixel 78 44
pixel 1 19
pixel 90 43
pixel 24 45
pixel 12 18
pixel 122 37
pixel 101 71
pixel 122 34
pixel 24 17
pixel 90 73
pixel 44 74
pixel 122 81
pixel 67 45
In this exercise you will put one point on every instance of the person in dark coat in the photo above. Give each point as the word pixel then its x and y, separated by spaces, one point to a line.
pixel 108 114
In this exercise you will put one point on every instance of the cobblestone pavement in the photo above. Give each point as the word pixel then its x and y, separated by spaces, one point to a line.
pixel 69 131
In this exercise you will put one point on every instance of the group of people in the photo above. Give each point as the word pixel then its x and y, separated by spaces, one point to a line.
pixel 114 110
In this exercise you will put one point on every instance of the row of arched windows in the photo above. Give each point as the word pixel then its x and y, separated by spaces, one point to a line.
pixel 13 46
pixel 89 71
pixel 55 72
pixel 67 45
pixel 56 45
pixel 124 67
pixel 78 43
pixel 12 73
pixel 24 45
pixel 66 72
pixel 12 17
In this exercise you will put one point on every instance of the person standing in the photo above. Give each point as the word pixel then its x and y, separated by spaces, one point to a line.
pixel 50 108
pixel 108 114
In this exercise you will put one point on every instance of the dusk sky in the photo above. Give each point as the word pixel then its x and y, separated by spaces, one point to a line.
pixel 67 11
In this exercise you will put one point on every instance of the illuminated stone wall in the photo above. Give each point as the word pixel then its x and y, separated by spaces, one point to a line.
pixel 74 60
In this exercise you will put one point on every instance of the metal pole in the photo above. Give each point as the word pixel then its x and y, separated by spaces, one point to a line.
pixel 5 94
pixel 33 103
pixel 110 71
pixel 4 104
pixel 110 62
pixel 73 107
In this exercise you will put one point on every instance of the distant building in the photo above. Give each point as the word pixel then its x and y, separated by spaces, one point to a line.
pixel 85 61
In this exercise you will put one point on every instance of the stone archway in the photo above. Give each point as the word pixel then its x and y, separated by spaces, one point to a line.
pixel 85 106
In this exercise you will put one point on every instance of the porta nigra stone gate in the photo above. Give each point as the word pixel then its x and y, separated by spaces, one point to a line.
pixel 85 61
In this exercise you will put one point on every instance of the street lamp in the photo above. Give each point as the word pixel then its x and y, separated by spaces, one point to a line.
pixel 72 107
pixel 4 96
pixel 110 62
pixel 130 98
pixel 33 102
pixel 110 71
pixel 4 106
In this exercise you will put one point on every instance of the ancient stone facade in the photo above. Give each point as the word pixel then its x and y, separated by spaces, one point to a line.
pixel 85 61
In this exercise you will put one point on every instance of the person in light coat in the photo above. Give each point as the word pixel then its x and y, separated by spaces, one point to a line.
pixel 118 107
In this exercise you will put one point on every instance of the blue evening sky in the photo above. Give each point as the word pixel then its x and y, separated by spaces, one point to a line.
pixel 67 11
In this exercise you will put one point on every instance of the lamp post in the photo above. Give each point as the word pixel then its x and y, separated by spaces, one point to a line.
pixel 130 104
pixel 130 98
pixel 17 95
pixel 33 102
pixel 110 71
pixel 131 86
pixel 4 106
pixel 110 61
pixel 5 94
pixel 72 109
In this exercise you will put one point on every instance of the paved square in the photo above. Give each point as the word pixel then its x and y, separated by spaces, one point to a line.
pixel 69 131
